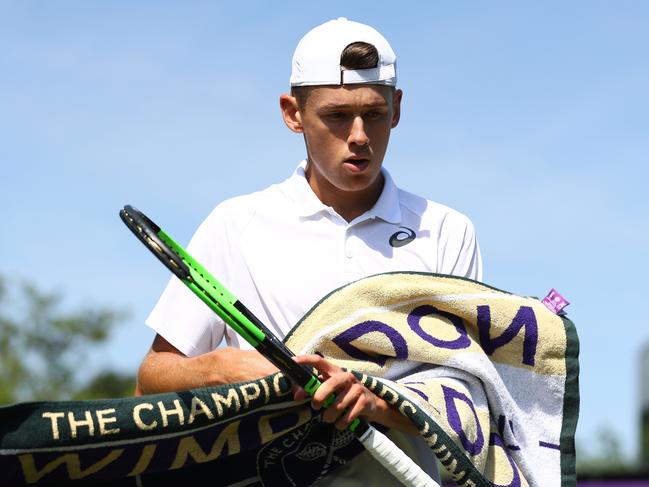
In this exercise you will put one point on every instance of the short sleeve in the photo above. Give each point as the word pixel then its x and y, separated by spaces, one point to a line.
pixel 179 315
pixel 459 248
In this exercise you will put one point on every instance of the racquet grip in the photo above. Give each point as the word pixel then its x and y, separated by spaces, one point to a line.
pixel 394 459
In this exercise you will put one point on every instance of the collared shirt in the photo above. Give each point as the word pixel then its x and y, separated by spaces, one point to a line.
pixel 281 250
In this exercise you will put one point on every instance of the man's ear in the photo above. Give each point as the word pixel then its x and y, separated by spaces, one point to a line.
pixel 291 113
pixel 396 107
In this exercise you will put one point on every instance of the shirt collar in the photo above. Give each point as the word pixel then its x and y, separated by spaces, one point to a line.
pixel 307 203
pixel 387 207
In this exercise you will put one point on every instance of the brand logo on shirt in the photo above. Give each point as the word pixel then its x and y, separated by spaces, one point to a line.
pixel 403 237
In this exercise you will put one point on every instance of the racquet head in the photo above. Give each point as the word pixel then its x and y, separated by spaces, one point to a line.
pixel 147 232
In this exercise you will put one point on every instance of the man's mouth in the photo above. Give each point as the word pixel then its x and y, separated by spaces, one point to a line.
pixel 356 164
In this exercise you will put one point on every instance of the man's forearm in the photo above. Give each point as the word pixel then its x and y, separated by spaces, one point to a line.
pixel 166 371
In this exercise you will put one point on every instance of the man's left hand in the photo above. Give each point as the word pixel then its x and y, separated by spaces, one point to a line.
pixel 353 399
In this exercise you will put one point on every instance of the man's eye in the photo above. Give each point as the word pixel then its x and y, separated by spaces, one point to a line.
pixel 336 115
pixel 374 115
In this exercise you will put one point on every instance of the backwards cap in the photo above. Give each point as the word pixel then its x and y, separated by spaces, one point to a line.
pixel 316 60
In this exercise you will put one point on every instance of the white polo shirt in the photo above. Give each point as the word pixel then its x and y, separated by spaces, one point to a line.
pixel 281 250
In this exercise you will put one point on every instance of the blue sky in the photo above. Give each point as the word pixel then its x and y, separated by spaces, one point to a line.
pixel 529 117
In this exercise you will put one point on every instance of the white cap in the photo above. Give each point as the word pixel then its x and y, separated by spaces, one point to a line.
pixel 316 60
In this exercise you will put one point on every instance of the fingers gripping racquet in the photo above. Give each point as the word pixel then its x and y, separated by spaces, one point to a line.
pixel 250 328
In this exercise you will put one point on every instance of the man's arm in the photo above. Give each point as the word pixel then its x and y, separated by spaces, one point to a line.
pixel 167 369
pixel 353 399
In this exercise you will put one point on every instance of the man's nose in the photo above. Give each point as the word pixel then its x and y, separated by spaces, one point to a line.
pixel 357 134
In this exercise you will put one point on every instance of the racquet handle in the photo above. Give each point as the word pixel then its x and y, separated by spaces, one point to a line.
pixel 395 460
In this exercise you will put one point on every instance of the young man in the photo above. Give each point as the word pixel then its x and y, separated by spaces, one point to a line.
pixel 337 219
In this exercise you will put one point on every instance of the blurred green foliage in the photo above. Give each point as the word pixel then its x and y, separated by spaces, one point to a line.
pixel 603 457
pixel 644 437
pixel 45 351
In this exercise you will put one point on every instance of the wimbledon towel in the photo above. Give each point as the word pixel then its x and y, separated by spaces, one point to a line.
pixel 489 378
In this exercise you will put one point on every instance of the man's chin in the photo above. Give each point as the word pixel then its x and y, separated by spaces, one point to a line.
pixel 356 182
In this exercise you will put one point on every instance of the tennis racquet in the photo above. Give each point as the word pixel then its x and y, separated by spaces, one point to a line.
pixel 248 326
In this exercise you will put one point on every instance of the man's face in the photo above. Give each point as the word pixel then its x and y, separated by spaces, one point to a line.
pixel 346 130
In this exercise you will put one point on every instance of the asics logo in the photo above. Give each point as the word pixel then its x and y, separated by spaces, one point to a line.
pixel 403 237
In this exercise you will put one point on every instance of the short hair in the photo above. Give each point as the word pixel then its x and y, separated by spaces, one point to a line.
pixel 357 55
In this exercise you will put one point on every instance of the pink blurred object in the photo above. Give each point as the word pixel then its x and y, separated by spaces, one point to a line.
pixel 555 302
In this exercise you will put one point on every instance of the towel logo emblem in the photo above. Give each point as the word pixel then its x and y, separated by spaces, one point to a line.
pixel 402 237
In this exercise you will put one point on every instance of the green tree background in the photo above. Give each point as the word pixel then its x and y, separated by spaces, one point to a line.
pixel 45 349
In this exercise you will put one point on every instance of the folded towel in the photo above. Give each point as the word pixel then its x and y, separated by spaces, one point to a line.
pixel 489 378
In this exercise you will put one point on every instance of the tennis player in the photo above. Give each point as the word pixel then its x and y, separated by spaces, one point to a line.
pixel 339 217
